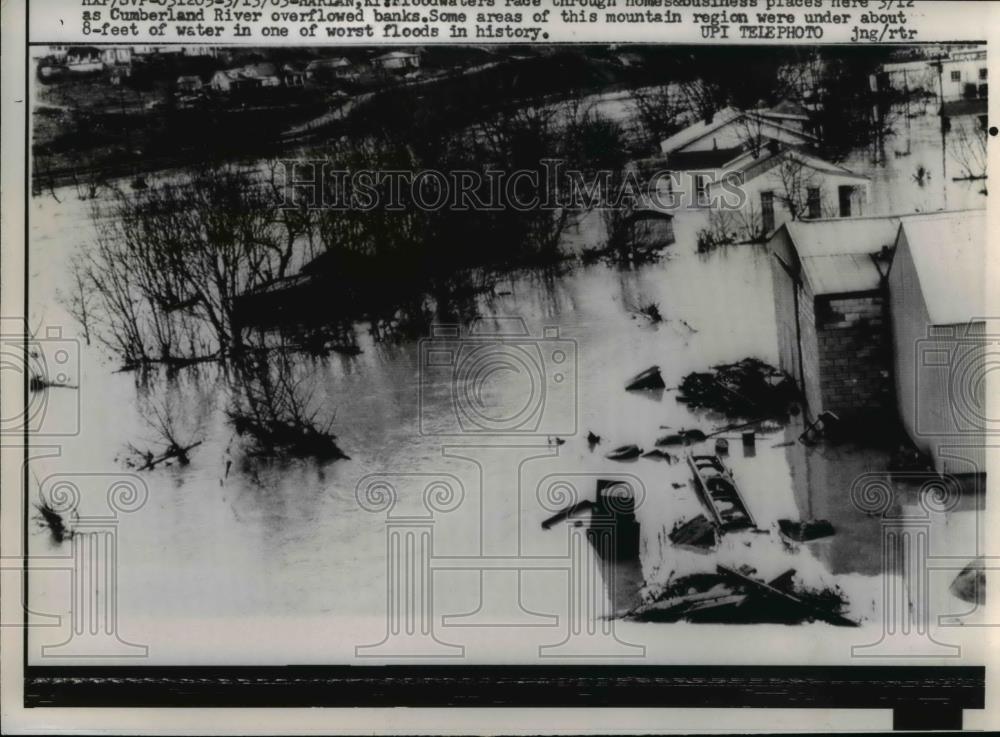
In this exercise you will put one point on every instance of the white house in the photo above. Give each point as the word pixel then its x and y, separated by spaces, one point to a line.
pixel 264 74
pixel 83 59
pixel 231 80
pixel 937 292
pixel 782 184
pixel 397 60
pixel 114 55
pixel 964 75
pixel 189 83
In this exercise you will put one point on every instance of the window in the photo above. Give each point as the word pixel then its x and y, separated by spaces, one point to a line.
pixel 767 211
pixel 982 73
pixel 701 189
pixel 813 202
pixel 845 191
pixel 956 76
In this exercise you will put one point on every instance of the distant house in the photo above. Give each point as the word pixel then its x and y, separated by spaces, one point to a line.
pixel 232 80
pixel 783 184
pixel 200 50
pixel 395 60
pixel 265 71
pixel 115 55
pixel 337 67
pixel 830 308
pixel 83 59
pixel 629 59
pixel 251 76
pixel 710 143
pixel 189 83
pixel 650 227
pixel 292 76
pixel 937 293
pixel 964 75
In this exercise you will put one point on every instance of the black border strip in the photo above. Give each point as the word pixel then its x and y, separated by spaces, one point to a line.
pixel 942 689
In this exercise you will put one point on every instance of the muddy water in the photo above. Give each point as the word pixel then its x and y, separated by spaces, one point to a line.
pixel 239 559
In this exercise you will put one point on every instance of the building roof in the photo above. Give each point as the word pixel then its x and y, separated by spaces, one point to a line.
pixel 713 159
pixel 701 128
pixel 767 158
pixel 335 63
pixel 836 254
pixel 396 55
pixel 948 250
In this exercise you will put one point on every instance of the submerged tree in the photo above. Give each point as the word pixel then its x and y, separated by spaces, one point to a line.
pixel 171 259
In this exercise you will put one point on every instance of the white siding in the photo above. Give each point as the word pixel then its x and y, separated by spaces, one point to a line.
pixel 936 410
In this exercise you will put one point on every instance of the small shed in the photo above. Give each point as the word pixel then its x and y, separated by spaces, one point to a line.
pixel 830 309
pixel 650 228
pixel 937 291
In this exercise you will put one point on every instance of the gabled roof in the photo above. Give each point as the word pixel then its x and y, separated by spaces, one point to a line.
pixel 835 255
pixel 766 159
pixel 701 128
pixel 785 109
pixel 948 250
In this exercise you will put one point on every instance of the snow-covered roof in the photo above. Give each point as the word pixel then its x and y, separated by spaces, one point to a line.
pixel 752 166
pixel 701 128
pixel 836 254
pixel 948 250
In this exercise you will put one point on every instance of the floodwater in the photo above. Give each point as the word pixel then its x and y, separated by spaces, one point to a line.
pixel 239 559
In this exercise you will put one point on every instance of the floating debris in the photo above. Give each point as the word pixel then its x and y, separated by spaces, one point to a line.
pixel 648 379
pixel 697 533
pixel 682 437
pixel 970 584
pixel 624 453
pixel 593 439
pixel 53 521
pixel 746 388
pixel 570 511
pixel 660 454
pixel 736 597
pixel 718 492
pixel 803 531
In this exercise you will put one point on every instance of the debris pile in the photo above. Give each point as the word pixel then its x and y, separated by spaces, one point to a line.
pixel 696 533
pixel 970 584
pixel 737 597
pixel 746 388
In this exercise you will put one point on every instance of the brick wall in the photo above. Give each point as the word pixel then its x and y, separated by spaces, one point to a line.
pixel 855 357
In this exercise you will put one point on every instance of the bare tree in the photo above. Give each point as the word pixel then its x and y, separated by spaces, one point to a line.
pixel 171 259
pixel 967 146
pixel 658 109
